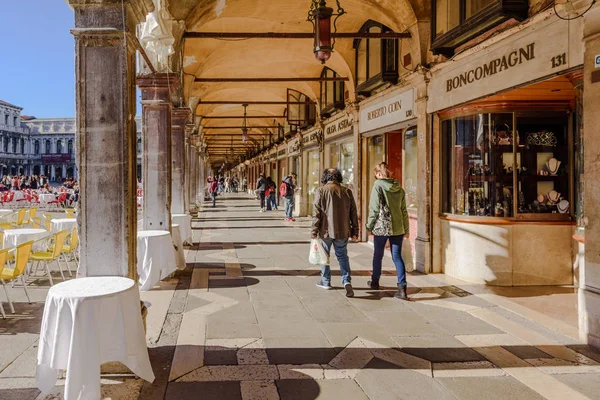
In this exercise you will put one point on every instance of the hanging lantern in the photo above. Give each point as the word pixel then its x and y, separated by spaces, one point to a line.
pixel 245 126
pixel 320 17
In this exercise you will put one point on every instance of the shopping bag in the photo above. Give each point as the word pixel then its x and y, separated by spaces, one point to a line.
pixel 317 255
pixel 407 256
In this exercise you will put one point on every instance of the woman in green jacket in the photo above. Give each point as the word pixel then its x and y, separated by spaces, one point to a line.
pixel 395 199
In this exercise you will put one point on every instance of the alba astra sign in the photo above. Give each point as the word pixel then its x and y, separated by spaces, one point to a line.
pixel 540 49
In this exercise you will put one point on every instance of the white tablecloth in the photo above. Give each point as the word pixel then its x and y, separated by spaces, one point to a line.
pixel 178 243
pixel 46 197
pixel 60 224
pixel 185 223
pixel 87 322
pixel 155 257
pixel 6 212
pixel 18 195
pixel 15 237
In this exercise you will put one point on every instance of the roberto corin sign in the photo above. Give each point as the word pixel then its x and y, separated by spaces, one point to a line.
pixel 390 109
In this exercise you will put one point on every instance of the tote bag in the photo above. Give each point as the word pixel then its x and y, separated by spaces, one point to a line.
pixel 383 225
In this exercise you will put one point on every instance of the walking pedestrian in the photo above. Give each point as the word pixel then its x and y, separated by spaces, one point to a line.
pixel 261 187
pixel 288 191
pixel 387 194
pixel 213 189
pixel 335 220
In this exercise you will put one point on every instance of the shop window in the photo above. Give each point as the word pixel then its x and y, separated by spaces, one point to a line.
pixel 301 110
pixel 455 22
pixel 332 93
pixel 376 59
pixel 409 168
pixel 511 165
pixel 341 156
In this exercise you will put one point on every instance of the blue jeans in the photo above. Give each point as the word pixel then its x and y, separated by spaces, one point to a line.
pixel 271 202
pixel 396 247
pixel 213 196
pixel 289 206
pixel 341 253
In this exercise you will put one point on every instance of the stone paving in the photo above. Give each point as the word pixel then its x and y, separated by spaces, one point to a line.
pixel 246 321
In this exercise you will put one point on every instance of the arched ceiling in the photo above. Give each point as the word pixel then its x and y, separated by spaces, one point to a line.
pixel 260 58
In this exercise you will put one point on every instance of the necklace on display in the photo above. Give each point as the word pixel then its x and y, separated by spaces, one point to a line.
pixel 563 206
pixel 553 165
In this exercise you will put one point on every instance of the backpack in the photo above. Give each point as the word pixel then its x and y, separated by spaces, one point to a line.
pixel 283 189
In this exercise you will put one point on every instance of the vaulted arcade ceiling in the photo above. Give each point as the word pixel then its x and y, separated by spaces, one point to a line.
pixel 268 58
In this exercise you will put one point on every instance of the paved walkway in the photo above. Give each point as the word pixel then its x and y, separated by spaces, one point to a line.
pixel 246 321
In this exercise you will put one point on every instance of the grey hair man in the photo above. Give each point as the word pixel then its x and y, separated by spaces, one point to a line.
pixel 335 221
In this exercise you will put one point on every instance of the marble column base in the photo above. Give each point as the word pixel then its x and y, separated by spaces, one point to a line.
pixel 589 316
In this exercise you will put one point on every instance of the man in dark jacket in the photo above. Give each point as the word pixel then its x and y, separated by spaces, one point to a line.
pixel 335 220
pixel 290 191
pixel 261 187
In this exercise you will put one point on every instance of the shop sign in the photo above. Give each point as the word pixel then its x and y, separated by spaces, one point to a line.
pixel 294 147
pixel 597 61
pixel 538 50
pixel 339 126
pixel 311 137
pixel 56 158
pixel 273 155
pixel 281 151
pixel 390 109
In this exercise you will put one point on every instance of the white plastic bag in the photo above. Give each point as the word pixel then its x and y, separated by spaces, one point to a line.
pixel 407 256
pixel 317 255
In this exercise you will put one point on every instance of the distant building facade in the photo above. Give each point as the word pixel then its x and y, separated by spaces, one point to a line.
pixel 41 146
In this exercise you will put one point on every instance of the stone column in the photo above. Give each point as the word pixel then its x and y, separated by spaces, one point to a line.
pixel 423 245
pixel 189 129
pixel 194 177
pixel 589 285
pixel 179 117
pixel 105 135
pixel 156 157
pixel 52 172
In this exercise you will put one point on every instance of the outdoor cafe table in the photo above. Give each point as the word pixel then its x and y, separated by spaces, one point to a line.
pixel 15 237
pixel 185 223
pixel 178 244
pixel 59 224
pixel 87 322
pixel 45 198
pixel 6 212
pixel 155 257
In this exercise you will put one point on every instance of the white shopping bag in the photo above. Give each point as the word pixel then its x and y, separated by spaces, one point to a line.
pixel 407 257
pixel 317 255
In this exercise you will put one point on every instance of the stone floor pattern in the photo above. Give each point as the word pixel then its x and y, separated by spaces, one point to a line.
pixel 246 321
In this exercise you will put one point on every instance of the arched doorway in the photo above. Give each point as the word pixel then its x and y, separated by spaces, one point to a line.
pixel 58 173
pixel 36 170
pixel 70 172
pixel 13 170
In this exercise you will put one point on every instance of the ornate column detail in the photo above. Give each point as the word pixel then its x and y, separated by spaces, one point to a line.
pixel 179 116
pixel 105 134
pixel 156 157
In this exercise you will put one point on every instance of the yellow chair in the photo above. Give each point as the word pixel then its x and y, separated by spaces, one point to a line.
pixel 71 250
pixel 70 213
pixel 17 270
pixel 54 255
pixel 21 214
pixel 3 259
pixel 6 221
pixel 32 213
pixel 36 223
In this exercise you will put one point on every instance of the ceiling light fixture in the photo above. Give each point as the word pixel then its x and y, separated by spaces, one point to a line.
pixel 319 16
pixel 245 126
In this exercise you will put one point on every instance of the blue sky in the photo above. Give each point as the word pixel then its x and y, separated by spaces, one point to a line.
pixel 37 60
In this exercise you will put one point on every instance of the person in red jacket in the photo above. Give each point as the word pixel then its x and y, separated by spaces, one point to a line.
pixel 213 188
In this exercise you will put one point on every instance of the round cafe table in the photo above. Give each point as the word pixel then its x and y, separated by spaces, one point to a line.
pixel 45 198
pixel 185 224
pixel 5 212
pixel 87 322
pixel 59 224
pixel 178 245
pixel 15 237
pixel 155 257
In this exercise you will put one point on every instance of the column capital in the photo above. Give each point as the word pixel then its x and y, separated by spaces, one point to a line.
pixel 157 87
pixel 179 116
